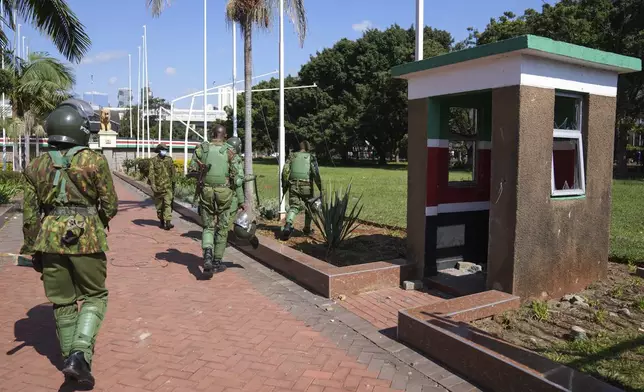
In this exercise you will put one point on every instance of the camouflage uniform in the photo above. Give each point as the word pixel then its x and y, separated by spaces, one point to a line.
pixel 77 204
pixel 300 170
pixel 216 199
pixel 238 164
pixel 162 177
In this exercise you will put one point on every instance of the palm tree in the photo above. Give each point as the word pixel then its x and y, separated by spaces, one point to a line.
pixel 33 88
pixel 52 18
pixel 250 14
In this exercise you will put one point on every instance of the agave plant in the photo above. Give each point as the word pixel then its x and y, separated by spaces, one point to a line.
pixel 332 220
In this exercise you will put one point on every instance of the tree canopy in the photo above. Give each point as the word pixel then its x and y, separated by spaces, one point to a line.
pixel 609 25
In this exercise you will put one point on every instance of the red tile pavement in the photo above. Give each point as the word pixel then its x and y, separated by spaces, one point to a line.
pixel 381 307
pixel 167 331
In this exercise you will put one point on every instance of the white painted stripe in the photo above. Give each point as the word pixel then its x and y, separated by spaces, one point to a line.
pixel 457 207
pixel 513 69
pixel 444 143
pixel 552 74
pixel 480 74
pixel 437 143
pixel 484 145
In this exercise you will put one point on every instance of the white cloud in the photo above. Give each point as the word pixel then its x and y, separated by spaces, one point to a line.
pixel 170 71
pixel 113 80
pixel 362 26
pixel 104 57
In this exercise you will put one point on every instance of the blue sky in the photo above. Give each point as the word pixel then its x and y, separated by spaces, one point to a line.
pixel 175 40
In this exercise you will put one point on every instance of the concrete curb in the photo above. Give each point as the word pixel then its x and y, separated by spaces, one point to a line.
pixel 4 217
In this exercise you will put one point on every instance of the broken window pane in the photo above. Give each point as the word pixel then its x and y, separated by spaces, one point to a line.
pixel 566 164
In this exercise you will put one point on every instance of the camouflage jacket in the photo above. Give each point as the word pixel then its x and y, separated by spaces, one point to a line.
pixel 91 186
pixel 162 174
pixel 235 167
pixel 238 163
pixel 314 171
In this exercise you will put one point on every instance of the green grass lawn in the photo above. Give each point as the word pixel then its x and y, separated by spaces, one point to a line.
pixel 384 193
pixel 614 357
pixel 627 228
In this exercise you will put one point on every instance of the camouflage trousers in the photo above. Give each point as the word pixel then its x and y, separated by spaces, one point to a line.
pixel 216 207
pixel 299 193
pixel 69 279
pixel 163 204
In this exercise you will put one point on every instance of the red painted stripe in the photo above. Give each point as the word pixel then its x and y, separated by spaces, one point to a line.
pixel 438 189
pixel 432 176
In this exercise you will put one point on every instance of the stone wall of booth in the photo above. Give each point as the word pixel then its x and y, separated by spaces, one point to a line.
pixel 539 245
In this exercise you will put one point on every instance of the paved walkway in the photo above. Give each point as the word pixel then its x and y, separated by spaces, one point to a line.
pixel 248 329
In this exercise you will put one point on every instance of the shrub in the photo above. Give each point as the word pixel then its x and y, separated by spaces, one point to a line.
pixel 129 165
pixel 7 191
pixel 269 209
pixel 143 166
pixel 540 310
pixel 332 220
pixel 178 165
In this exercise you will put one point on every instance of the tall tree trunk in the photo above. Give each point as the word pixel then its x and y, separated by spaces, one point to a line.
pixel 28 127
pixel 248 115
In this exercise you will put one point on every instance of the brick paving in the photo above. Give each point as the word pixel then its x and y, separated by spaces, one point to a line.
pixel 381 307
pixel 248 329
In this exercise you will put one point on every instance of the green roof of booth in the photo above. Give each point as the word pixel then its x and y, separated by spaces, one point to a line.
pixel 529 44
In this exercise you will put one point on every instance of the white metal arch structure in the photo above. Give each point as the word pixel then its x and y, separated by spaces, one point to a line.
pixel 189 128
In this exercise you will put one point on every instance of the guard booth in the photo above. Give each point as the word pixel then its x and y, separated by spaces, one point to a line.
pixel 511 161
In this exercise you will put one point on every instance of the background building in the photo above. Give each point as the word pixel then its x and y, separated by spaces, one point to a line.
pixel 124 97
pixel 96 98
pixel 225 98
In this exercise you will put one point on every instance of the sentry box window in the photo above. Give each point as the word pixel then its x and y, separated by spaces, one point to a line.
pixel 568 177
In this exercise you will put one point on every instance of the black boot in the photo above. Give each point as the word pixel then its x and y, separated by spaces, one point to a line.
pixel 161 223
pixel 77 368
pixel 168 226
pixel 207 263
pixel 287 231
pixel 218 266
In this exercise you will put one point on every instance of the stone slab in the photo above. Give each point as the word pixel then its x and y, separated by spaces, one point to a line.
pixel 468 308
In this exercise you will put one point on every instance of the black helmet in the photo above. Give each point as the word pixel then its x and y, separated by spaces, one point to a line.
pixel 69 123
pixel 235 143
pixel 244 228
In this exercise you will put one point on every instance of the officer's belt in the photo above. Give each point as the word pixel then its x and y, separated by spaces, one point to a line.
pixel 71 211
pixel 298 181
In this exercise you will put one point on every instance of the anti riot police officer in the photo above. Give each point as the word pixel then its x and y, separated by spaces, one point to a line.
pixel 299 173
pixel 162 177
pixel 214 165
pixel 234 143
pixel 71 186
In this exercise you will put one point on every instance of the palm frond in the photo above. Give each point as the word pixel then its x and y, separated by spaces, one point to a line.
pixel 250 13
pixel 156 7
pixel 14 127
pixel 55 19
pixel 39 131
pixel 297 13
pixel 260 14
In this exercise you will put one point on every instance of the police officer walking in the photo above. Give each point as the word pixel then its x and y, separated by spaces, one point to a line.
pixel 234 144
pixel 161 177
pixel 214 163
pixel 300 170
pixel 72 187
